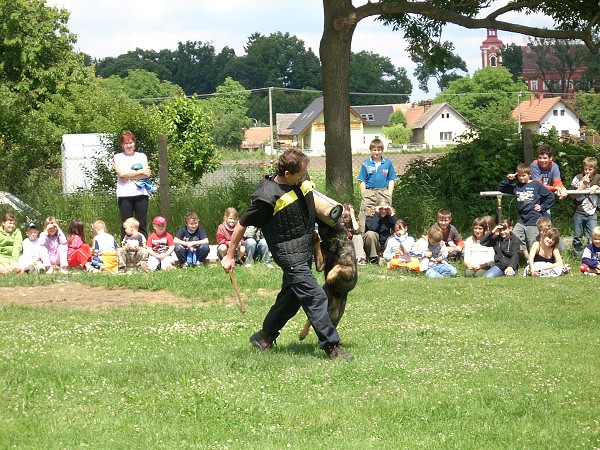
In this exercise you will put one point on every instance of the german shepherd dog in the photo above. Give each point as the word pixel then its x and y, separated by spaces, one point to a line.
pixel 335 254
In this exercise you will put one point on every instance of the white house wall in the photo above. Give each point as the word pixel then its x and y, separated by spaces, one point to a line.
pixel 453 124
pixel 569 122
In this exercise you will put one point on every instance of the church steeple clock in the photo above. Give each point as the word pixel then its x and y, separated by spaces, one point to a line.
pixel 490 50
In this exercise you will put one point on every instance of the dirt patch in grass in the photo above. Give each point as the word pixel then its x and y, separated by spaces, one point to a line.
pixel 77 295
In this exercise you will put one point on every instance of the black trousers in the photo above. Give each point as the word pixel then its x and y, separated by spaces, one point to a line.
pixel 134 207
pixel 300 289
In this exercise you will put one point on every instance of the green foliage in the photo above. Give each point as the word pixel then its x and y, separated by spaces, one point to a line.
pixel 397 117
pixel 228 109
pixel 370 72
pixel 144 86
pixel 398 134
pixel 588 107
pixel 191 150
pixel 471 95
pixel 438 62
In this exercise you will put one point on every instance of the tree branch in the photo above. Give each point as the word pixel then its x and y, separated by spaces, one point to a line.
pixel 430 10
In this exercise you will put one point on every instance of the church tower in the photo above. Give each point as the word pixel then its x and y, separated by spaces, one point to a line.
pixel 490 50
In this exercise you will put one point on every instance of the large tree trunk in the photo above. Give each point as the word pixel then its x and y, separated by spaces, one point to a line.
pixel 335 62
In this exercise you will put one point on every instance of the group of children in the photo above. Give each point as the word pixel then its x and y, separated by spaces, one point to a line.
pixel 52 249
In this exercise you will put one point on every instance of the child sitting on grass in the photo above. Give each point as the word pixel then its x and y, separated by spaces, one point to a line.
pixel 398 247
pixel 224 232
pixel 79 253
pixel 161 248
pixel 11 243
pixel 478 258
pixel 31 261
pixel 432 253
pixel 506 250
pixel 133 247
pixel 104 249
pixel 545 259
pixel 590 261
pixel 53 246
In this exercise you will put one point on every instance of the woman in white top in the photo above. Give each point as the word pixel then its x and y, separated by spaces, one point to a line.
pixel 132 166
pixel 478 258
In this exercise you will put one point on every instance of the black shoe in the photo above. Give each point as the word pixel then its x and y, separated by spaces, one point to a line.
pixel 374 260
pixel 335 351
pixel 261 341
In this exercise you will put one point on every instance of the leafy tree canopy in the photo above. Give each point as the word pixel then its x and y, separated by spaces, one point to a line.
pixel 470 95
pixel 370 72
pixel 144 86
pixel 439 63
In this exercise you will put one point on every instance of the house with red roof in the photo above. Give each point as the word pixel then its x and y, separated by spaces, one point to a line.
pixel 541 115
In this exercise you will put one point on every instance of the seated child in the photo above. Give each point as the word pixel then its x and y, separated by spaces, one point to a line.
pixel 224 232
pixel 398 247
pixel 432 253
pixel 478 258
pixel 191 242
pixel 256 247
pixel 542 224
pixel 590 260
pixel 161 248
pixel 544 257
pixel 133 247
pixel 104 248
pixel 506 250
pixel 79 253
pixel 379 225
pixel 352 227
pixel 30 260
pixel 11 243
pixel 452 237
pixel 53 246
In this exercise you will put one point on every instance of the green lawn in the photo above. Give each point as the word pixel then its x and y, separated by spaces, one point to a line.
pixel 450 363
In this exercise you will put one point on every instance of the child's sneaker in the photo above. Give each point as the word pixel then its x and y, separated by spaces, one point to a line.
pixel 144 266
pixel 64 271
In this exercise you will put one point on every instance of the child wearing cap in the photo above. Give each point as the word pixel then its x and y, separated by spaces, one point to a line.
pixel 161 248
pixel 30 260
pixel 11 242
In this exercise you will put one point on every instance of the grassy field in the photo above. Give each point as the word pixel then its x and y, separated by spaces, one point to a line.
pixel 451 363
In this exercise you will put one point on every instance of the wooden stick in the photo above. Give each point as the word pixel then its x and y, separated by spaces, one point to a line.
pixel 240 302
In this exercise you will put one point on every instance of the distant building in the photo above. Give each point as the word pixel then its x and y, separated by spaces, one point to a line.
pixel 538 80
pixel 491 50
pixel 541 115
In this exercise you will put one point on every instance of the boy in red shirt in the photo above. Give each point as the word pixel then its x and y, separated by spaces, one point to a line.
pixel 161 248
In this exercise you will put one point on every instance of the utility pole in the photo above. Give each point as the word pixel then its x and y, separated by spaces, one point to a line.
pixel 271 117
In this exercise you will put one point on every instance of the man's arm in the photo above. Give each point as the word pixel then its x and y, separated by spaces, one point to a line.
pixel 228 261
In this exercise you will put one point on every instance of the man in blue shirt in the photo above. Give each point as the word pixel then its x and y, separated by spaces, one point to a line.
pixel 377 178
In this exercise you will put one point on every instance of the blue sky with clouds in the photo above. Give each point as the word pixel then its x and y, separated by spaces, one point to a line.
pixel 112 27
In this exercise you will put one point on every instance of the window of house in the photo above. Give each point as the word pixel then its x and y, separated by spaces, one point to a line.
pixel 570 84
pixel 534 85
pixel 445 115
pixel 367 116
pixel 562 112
pixel 555 112
pixel 445 135
pixel 546 87
pixel 493 61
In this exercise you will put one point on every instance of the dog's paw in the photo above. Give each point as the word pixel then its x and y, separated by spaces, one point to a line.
pixel 333 274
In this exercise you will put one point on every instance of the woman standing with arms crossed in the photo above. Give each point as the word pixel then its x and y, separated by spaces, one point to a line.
pixel 132 166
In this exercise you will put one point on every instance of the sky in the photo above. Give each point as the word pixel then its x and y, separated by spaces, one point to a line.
pixel 113 27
